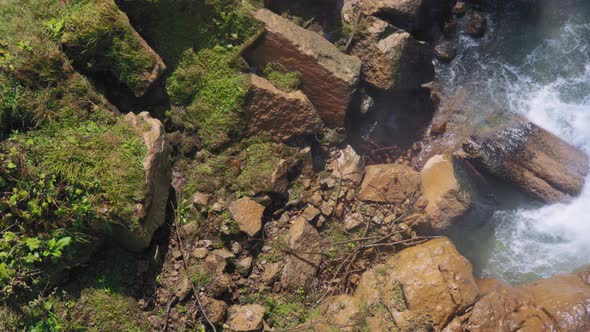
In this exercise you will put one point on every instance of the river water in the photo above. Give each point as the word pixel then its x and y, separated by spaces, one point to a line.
pixel 538 66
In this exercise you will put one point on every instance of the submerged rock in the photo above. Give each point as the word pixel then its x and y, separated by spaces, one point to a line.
pixel 283 114
pixel 392 58
pixel 328 76
pixel 157 168
pixel 530 158
pixel 453 191
pixel 388 183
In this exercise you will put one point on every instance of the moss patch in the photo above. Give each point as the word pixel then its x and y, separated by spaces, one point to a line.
pixel 281 78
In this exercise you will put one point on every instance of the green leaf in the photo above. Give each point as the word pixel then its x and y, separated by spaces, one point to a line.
pixel 33 243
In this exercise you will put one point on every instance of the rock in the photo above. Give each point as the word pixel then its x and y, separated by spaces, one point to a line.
pixel 200 253
pixel 201 199
pixel 272 273
pixel 353 221
pixel 157 169
pixel 454 192
pixel 283 114
pixel 183 289
pixel 530 158
pixel 414 16
pixel 244 265
pixel 328 76
pixel 388 183
pixel 445 52
pixel 310 213
pixel 459 8
pixel 349 165
pixel 115 48
pixel 392 58
pixel 245 318
pixel 223 253
pixel 302 262
pixel 435 280
pixel 216 310
pixel 477 25
pixel 342 311
pixel 438 128
pixel 248 214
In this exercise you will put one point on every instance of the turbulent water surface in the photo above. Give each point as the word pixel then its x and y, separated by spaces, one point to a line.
pixel 540 67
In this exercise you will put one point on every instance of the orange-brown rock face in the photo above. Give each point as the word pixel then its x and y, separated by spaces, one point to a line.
pixel 328 76
pixel 388 183
pixel 532 159
pixel 283 114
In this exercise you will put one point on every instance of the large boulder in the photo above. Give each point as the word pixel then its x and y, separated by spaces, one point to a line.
pixel 328 76
pixel 560 303
pixel 283 114
pixel 392 58
pixel 453 192
pixel 157 169
pixel 388 183
pixel 304 255
pixel 99 39
pixel 414 16
pixel 436 281
pixel 532 159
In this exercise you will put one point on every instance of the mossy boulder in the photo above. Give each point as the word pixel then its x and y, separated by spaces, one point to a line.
pixel 99 38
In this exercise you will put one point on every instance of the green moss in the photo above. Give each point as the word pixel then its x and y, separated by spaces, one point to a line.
pixel 99 38
pixel 281 78
pixel 259 166
pixel 186 79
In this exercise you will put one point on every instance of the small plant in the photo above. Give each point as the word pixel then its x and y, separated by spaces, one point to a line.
pixel 281 78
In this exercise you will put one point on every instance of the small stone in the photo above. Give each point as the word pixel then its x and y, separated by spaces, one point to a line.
pixel 216 310
pixel 350 194
pixel 349 165
pixel 177 254
pixel 218 207
pixel 201 199
pixel 321 221
pixel 353 221
pixel 205 244
pixel 310 213
pixel 200 253
pixel 190 228
pixel 248 214
pixel 328 207
pixel 316 199
pixel 236 248
pixel 329 182
pixel 389 219
pixel 272 273
pixel 183 289
pixel 477 25
pixel 245 318
pixel 244 265
pixel 226 254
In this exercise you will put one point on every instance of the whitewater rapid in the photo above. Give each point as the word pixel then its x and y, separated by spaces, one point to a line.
pixel 549 84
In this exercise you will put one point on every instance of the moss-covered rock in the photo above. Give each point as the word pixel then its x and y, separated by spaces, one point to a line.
pixel 99 38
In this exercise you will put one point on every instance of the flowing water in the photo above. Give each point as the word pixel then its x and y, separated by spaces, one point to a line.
pixel 540 67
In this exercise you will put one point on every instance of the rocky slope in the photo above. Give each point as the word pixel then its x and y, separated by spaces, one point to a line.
pixel 179 166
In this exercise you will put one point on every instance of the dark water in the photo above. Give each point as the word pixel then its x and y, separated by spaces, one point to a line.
pixel 539 66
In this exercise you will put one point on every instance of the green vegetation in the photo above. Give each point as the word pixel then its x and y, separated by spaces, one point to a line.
pixel 281 78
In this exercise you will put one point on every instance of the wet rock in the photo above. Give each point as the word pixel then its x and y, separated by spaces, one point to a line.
pixel 388 183
pixel 283 114
pixel 435 280
pixel 530 158
pixel 454 192
pixel 216 310
pixel 392 58
pixel 157 168
pixel 328 76
pixel 459 8
pixel 477 25
pixel 304 255
pixel 248 214
pixel 245 318
pixel 445 52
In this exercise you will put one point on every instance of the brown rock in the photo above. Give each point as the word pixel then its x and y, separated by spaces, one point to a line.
pixel 388 183
pixel 157 169
pixel 530 158
pixel 392 58
pixel 328 76
pixel 201 199
pixel 477 25
pixel 304 256
pixel 248 214
pixel 283 114
pixel 342 311
pixel 459 8
pixel 452 189
pixel 272 273
pixel 348 166
pixel 435 279
pixel 216 310
pixel 245 318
